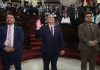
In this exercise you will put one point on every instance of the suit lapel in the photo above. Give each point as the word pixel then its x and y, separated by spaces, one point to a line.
pixel 87 28
pixel 6 31
pixel 93 30
pixel 15 33
pixel 91 34
pixel 55 31
pixel 48 30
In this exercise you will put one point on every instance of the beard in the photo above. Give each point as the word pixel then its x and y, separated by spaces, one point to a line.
pixel 89 21
pixel 10 22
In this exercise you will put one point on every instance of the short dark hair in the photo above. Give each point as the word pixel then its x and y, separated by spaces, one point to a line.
pixel 10 13
pixel 88 12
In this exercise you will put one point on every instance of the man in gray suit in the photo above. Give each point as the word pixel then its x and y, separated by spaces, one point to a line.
pixel 89 35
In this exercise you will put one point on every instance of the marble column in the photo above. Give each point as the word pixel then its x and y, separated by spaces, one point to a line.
pixel 77 2
pixel 61 2
pixel 42 2
pixel 0 0
pixel 68 2
pixel 22 2
pixel 9 0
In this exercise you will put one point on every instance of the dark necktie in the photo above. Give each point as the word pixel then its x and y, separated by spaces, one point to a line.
pixel 91 31
pixel 51 31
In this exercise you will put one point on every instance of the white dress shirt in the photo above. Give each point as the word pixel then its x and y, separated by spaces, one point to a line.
pixel 65 20
pixel 12 35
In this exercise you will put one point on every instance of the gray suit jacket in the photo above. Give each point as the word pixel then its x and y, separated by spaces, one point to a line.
pixel 85 36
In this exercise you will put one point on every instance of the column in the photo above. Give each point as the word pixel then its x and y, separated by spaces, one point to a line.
pixel 77 2
pixel 9 0
pixel 22 2
pixel 61 2
pixel 42 2
pixel 0 0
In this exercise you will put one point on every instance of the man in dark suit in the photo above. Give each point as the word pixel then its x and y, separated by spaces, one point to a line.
pixel 52 42
pixel 11 42
pixel 89 35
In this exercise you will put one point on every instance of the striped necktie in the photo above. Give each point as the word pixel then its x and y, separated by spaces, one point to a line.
pixel 9 37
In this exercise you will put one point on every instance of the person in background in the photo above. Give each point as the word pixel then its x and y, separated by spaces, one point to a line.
pixel 65 19
pixel 96 17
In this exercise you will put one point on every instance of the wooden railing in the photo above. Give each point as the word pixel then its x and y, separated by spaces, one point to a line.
pixel 70 35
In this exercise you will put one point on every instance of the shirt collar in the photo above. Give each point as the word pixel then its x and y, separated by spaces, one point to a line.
pixel 51 26
pixel 89 24
pixel 12 26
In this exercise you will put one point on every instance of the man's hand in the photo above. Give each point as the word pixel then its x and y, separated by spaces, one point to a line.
pixel 62 52
pixel 92 43
pixel 95 41
pixel 9 49
pixel 6 49
pixel 38 24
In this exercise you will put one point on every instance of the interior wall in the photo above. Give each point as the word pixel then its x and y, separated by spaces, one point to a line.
pixel 34 2
pixel 64 2
pixel 68 2
pixel 98 1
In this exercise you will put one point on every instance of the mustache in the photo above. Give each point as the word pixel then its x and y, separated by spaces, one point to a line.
pixel 8 20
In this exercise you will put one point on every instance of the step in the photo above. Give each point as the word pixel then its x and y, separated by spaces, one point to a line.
pixel 33 29
pixel 36 44
pixel 32 32
pixel 35 40
pixel 31 55
pixel 0 67
pixel 37 55
pixel 32 35
pixel 36 49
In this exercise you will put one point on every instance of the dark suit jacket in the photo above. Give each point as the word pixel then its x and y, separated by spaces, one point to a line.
pixel 85 36
pixel 50 44
pixel 18 40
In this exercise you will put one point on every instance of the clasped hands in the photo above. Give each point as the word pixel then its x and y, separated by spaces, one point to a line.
pixel 92 43
pixel 9 49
